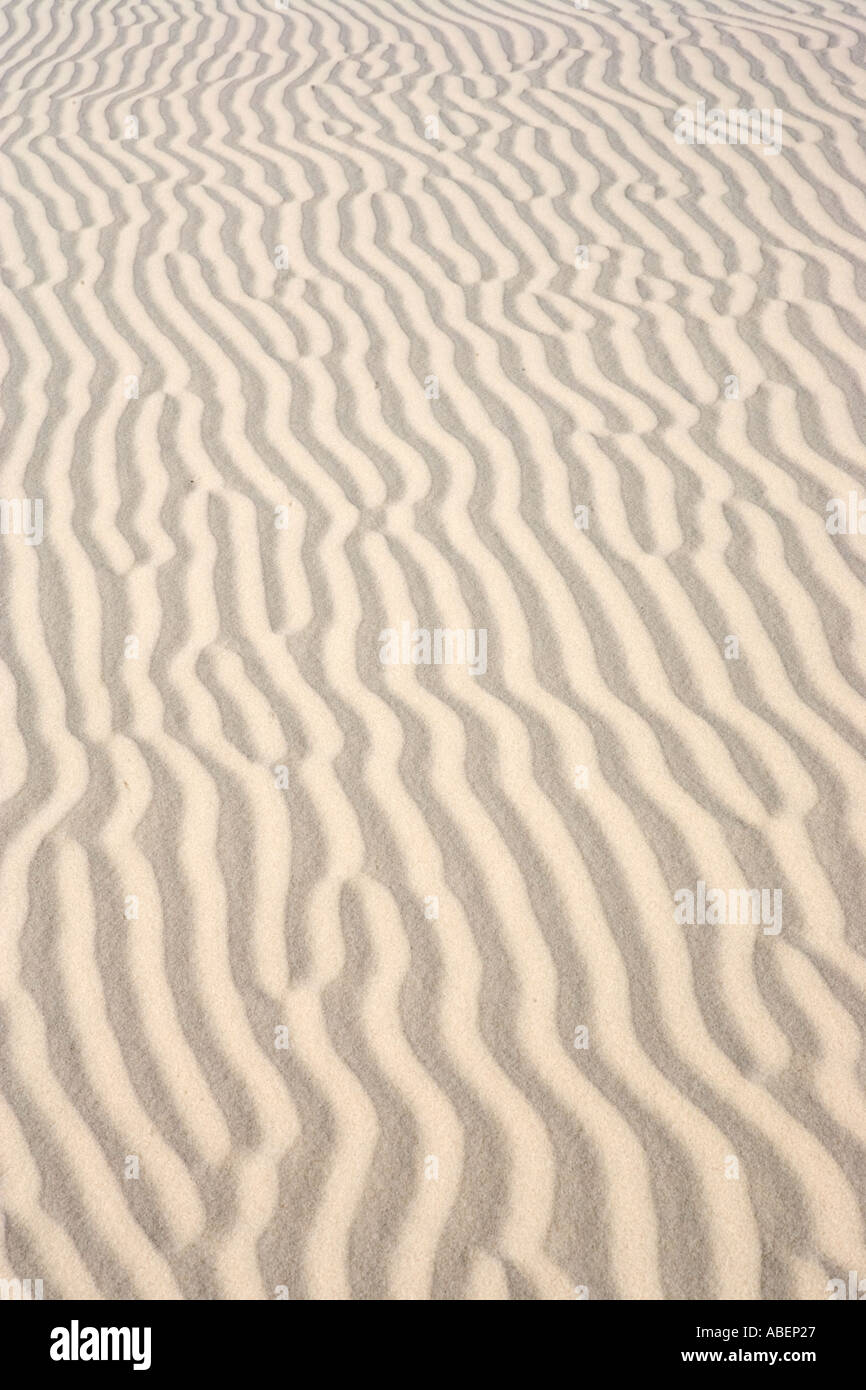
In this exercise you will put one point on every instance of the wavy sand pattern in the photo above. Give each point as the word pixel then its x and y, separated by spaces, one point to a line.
pixel 236 250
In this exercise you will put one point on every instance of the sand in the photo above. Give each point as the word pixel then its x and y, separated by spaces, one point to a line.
pixel 330 969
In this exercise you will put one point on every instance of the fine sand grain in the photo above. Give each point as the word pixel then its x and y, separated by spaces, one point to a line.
pixel 464 335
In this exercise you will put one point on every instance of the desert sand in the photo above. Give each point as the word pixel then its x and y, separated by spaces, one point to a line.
pixel 334 966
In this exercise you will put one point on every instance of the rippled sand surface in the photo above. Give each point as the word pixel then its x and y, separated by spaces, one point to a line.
pixel 324 976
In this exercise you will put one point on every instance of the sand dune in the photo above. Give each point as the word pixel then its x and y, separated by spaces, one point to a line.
pixel 433 411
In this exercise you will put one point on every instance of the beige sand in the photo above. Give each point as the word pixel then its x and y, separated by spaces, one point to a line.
pixel 328 978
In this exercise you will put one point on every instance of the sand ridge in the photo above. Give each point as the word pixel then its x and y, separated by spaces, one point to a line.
pixel 324 976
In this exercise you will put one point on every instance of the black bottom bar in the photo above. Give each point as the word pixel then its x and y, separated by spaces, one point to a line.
pixel 59 1338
